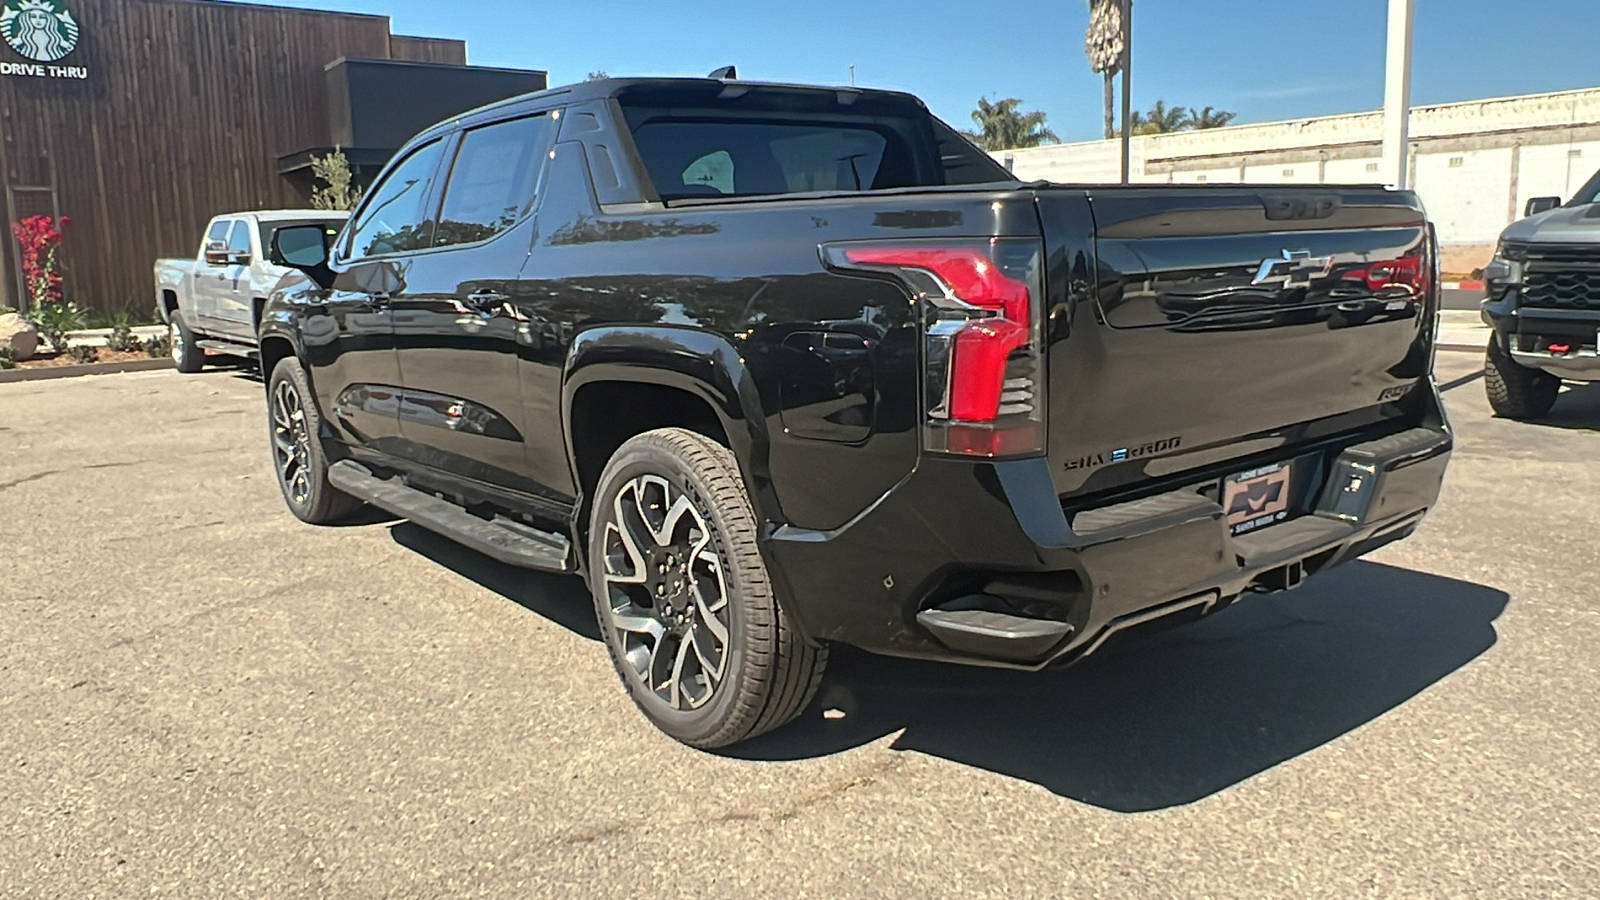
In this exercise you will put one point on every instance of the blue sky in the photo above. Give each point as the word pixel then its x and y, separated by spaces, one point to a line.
pixel 1265 59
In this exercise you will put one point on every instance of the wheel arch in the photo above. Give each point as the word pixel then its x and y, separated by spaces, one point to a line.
pixel 664 377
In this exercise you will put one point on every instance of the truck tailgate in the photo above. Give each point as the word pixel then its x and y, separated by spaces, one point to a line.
pixel 1226 324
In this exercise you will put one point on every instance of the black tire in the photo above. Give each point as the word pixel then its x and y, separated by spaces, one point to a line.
pixel 299 461
pixel 1517 392
pixel 766 672
pixel 188 355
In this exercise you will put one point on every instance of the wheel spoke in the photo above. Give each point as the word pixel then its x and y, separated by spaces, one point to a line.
pixel 706 646
pixel 678 695
pixel 642 623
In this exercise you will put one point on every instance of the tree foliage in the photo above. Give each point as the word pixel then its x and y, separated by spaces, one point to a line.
pixel 1104 43
pixel 1162 119
pixel 1002 125
pixel 339 190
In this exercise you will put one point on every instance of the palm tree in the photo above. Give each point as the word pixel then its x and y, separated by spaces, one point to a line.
pixel 1002 126
pixel 1211 118
pixel 1103 44
pixel 1161 120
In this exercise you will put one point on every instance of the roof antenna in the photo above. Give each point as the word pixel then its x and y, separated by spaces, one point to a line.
pixel 726 73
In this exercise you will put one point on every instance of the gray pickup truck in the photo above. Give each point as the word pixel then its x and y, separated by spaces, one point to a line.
pixel 213 300
pixel 1544 304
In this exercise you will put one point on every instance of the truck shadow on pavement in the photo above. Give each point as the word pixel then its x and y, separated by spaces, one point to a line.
pixel 563 599
pixel 1179 716
pixel 1152 724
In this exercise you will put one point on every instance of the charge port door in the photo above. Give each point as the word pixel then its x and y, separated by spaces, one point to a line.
pixel 827 387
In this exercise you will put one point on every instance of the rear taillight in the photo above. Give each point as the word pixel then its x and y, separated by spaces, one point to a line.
pixel 982 354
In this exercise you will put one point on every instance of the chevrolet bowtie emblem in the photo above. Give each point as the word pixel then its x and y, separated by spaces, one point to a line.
pixel 1296 269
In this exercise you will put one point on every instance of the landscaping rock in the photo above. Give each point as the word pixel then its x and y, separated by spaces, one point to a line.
pixel 20 335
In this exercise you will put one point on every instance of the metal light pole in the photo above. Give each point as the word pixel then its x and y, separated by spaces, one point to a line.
pixel 1397 97
pixel 1127 91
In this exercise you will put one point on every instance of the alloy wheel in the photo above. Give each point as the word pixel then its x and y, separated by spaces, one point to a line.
pixel 291 442
pixel 667 592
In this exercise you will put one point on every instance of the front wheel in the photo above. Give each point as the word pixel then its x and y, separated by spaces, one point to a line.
pixel 186 354
pixel 684 599
pixel 1517 392
pixel 298 459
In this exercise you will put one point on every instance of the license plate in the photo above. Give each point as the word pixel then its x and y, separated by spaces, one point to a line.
pixel 1258 498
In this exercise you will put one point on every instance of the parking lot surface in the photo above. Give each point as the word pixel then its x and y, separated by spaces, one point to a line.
pixel 200 697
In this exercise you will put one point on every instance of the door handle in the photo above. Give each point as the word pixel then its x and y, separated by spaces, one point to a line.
pixel 378 301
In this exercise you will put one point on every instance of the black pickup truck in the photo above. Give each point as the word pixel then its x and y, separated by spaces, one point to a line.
pixel 777 367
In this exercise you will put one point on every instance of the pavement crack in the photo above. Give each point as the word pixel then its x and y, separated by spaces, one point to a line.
pixel 6 485
pixel 784 813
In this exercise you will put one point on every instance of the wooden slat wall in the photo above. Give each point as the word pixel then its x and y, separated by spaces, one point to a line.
pixel 185 111
pixel 435 50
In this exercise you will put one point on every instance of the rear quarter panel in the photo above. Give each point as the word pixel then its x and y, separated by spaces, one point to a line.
pixel 830 427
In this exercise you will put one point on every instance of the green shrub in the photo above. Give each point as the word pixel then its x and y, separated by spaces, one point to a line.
pixel 6 362
pixel 54 320
pixel 158 347
pixel 84 355
pixel 122 340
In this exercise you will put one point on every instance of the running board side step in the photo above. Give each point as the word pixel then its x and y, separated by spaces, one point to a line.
pixel 509 542
pixel 230 348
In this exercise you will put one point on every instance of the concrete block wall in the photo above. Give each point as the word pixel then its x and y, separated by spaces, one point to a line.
pixel 1474 164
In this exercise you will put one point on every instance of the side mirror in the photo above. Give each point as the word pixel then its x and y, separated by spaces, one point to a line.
pixel 217 253
pixel 302 247
pixel 239 259
pixel 1542 204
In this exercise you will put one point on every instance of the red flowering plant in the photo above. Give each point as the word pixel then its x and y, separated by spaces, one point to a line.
pixel 40 237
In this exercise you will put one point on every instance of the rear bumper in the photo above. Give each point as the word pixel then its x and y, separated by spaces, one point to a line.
pixel 978 562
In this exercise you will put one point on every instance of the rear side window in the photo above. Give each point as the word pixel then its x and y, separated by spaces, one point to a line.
pixel 394 218
pixel 712 140
pixel 700 159
pixel 493 181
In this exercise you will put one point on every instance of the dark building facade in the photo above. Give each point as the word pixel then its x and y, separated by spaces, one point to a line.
pixel 141 119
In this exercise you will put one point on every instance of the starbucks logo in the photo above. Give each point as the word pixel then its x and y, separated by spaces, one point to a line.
pixel 41 30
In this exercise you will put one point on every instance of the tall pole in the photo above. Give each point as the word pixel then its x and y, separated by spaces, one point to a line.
pixel 1397 97
pixel 1127 91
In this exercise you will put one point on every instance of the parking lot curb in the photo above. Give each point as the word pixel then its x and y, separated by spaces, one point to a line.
pixel 16 376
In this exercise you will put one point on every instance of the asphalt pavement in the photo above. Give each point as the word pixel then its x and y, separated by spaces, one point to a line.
pixel 200 697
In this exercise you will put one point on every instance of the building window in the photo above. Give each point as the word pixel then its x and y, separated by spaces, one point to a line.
pixel 1372 167
pixel 1288 173
pixel 1575 154
pixel 1200 179
pixel 1457 162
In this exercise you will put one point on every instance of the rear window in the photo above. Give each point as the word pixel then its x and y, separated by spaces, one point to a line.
pixel 770 141
pixel 726 158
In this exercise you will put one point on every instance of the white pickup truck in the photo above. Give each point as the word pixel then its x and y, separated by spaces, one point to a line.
pixel 213 301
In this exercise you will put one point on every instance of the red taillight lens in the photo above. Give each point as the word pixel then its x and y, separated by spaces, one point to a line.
pixel 969 273
pixel 982 345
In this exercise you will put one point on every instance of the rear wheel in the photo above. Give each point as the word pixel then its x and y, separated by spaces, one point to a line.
pixel 298 459
pixel 1517 392
pixel 684 599
pixel 188 355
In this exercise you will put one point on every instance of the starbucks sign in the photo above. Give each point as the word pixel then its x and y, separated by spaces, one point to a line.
pixel 43 32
